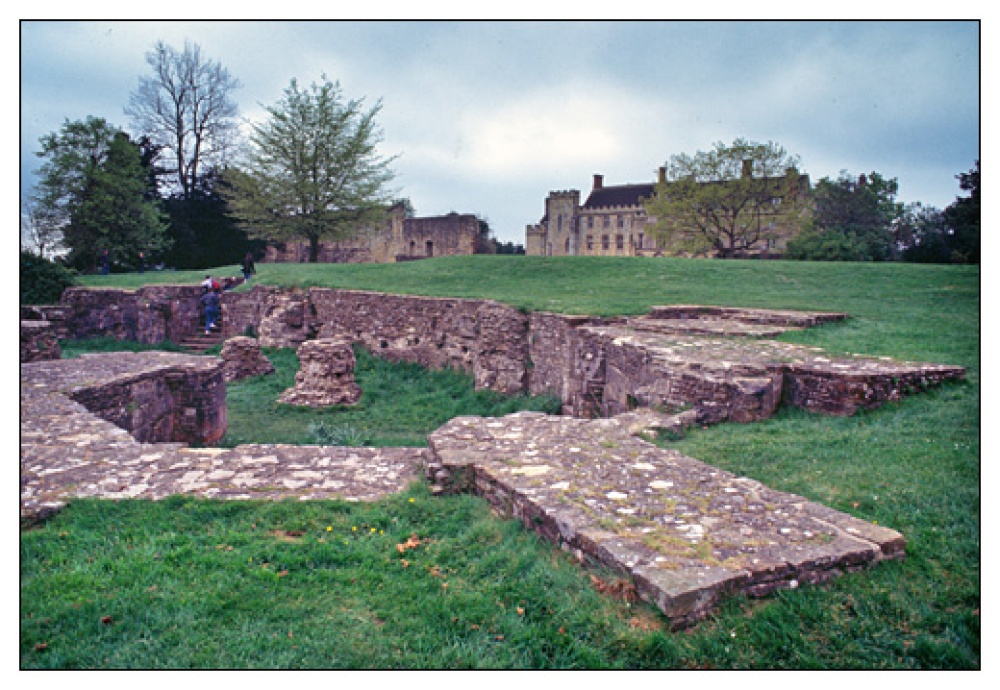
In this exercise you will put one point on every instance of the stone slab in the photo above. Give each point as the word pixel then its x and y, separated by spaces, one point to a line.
pixel 67 451
pixel 686 532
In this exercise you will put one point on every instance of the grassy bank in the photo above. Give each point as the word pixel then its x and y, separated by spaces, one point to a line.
pixel 185 583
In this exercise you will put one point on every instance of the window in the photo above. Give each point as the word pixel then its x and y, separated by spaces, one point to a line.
pixel 607 221
pixel 590 242
pixel 620 242
pixel 621 221
pixel 604 242
pixel 638 241
pixel 590 222
pixel 567 245
pixel 430 248
pixel 559 223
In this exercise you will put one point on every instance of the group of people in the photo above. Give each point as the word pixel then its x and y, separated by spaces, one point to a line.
pixel 211 293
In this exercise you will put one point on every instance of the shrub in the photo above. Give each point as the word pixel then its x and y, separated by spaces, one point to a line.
pixel 43 281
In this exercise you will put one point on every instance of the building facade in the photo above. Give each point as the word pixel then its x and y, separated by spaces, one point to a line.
pixel 613 220
pixel 398 239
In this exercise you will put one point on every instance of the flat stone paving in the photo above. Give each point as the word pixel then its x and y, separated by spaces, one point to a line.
pixel 68 452
pixel 687 533
pixel 670 343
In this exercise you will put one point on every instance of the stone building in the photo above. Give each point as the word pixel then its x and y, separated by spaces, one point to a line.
pixel 613 220
pixel 398 239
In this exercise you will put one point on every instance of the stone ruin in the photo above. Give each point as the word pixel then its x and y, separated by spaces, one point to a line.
pixel 325 376
pixel 242 358
pixel 39 342
pixel 687 534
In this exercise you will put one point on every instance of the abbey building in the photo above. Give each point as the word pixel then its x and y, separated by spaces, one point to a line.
pixel 613 220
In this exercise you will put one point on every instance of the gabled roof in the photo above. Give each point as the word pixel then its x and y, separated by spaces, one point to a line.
pixel 620 195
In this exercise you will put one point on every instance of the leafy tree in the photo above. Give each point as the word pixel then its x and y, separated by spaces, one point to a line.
pixel 95 186
pixel 743 196
pixel 186 107
pixel 313 172
pixel 854 219
pixel 42 281
pixel 925 235
pixel 963 217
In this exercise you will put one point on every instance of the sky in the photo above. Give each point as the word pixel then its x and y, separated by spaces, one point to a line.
pixel 487 117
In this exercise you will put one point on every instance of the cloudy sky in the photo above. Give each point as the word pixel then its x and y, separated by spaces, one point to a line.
pixel 488 117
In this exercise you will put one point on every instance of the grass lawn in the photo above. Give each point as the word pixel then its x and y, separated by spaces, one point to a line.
pixel 186 583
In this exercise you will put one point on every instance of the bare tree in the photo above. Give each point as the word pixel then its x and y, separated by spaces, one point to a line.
pixel 41 231
pixel 187 108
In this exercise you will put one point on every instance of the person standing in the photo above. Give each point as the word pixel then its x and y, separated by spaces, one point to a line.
pixel 105 263
pixel 210 300
pixel 142 262
pixel 248 267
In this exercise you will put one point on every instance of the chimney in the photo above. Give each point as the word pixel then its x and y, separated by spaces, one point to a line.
pixel 862 181
pixel 662 177
pixel 747 168
pixel 598 181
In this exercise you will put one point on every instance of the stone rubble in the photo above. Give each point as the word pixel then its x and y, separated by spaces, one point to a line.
pixel 325 376
pixel 242 358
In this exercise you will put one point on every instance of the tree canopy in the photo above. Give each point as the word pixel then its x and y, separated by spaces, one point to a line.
pixel 736 197
pixel 854 219
pixel 963 218
pixel 95 185
pixel 313 171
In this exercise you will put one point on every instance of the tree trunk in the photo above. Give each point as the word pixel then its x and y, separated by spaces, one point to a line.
pixel 313 249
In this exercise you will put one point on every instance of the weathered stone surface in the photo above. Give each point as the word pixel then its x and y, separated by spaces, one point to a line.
pixel 155 396
pixel 286 319
pixel 68 450
pixel 686 532
pixel 740 379
pixel 501 349
pixel 39 341
pixel 242 358
pixel 325 376
pixel 715 359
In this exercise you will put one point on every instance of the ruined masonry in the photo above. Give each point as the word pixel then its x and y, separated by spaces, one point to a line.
pixel 325 376
pixel 242 358
pixel 687 534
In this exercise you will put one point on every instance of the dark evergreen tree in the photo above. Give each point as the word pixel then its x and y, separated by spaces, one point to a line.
pixel 963 219
pixel 96 184
pixel 853 219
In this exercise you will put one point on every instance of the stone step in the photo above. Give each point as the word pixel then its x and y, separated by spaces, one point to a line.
pixel 199 342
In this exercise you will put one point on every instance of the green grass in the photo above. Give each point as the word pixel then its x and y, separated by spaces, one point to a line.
pixel 75 348
pixel 913 466
pixel 400 405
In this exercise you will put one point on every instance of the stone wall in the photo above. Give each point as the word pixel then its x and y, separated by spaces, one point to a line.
pixel 397 239
pixel 38 342
pixel 155 396
pixel 150 314
pixel 716 360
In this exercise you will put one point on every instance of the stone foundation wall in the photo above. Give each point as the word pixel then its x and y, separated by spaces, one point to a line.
pixel 38 342
pixel 155 396
pixel 149 315
pixel 716 360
